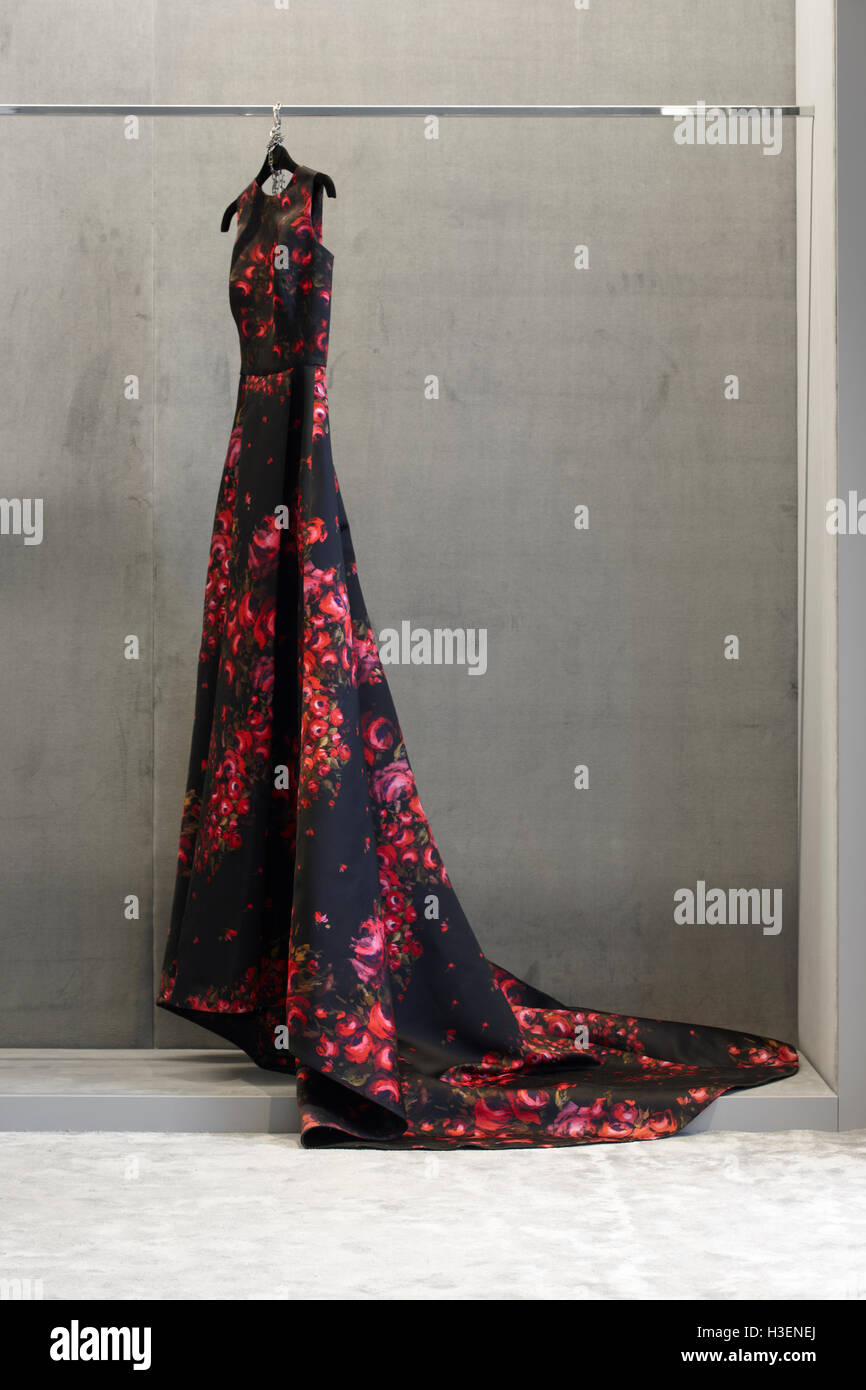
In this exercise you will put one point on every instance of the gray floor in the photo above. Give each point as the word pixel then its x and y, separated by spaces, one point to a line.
pixel 708 1215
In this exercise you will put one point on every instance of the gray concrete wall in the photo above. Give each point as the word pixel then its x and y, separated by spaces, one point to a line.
pixel 454 258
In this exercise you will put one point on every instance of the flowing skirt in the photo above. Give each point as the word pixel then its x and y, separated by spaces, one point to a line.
pixel 313 922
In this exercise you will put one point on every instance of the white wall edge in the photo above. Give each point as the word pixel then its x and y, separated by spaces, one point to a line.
pixel 817 417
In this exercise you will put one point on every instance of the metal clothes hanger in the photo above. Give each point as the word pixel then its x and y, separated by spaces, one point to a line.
pixel 277 159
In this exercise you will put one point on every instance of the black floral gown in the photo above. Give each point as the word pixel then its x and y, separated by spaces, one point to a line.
pixel 313 922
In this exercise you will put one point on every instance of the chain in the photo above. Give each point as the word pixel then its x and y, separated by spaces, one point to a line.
pixel 276 138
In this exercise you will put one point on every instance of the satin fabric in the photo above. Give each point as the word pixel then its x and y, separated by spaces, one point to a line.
pixel 313 922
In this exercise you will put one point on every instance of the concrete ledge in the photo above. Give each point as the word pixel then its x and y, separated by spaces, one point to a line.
pixel 222 1092
pixel 160 1091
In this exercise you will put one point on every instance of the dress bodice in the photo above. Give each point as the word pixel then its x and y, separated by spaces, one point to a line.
pixel 280 277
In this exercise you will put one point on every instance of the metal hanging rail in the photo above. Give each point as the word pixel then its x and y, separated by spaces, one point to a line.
pixel 397 109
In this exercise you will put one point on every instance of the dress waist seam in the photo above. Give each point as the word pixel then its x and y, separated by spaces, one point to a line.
pixel 282 371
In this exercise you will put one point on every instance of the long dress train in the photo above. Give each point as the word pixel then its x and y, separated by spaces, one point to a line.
pixel 313 923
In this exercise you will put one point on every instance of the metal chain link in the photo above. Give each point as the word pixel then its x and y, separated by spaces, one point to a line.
pixel 276 138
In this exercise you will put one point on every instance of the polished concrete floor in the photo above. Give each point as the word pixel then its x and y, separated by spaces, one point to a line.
pixel 241 1216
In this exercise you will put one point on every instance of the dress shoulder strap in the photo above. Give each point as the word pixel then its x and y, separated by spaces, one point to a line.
pixel 314 184
pixel 317 192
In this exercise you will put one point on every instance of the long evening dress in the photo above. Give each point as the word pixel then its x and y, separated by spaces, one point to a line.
pixel 313 922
